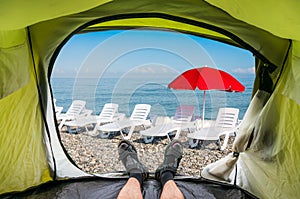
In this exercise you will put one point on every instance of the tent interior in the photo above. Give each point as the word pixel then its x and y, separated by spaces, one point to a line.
pixel 34 162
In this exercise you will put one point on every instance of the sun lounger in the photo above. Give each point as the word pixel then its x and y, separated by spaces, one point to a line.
pixel 108 114
pixel 226 124
pixel 181 120
pixel 137 118
pixel 76 109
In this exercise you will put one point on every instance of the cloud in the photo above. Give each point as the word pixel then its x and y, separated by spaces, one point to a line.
pixel 151 70
pixel 165 70
pixel 244 70
pixel 58 71
pixel 144 70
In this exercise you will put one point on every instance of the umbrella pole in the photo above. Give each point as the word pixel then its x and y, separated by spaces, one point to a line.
pixel 203 109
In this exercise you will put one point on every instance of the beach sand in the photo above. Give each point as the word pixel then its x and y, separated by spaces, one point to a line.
pixel 95 155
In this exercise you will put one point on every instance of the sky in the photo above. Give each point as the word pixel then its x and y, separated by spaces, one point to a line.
pixel 146 53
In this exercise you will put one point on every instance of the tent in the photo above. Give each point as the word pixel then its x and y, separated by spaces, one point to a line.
pixel 267 155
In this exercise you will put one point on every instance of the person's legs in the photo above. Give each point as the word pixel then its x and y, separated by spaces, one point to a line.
pixel 131 190
pixel 171 191
pixel 166 171
pixel 136 170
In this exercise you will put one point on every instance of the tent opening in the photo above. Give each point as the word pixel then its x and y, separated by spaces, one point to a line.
pixel 132 67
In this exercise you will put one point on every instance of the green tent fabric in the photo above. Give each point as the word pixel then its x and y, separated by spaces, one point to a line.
pixel 33 32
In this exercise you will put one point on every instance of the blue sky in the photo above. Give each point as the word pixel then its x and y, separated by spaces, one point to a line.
pixel 144 53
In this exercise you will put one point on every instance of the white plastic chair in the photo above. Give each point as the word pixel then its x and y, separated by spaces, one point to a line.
pixel 108 114
pixel 77 108
pixel 181 120
pixel 226 124
pixel 137 118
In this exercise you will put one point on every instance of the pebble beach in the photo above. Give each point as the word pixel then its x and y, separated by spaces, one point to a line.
pixel 97 155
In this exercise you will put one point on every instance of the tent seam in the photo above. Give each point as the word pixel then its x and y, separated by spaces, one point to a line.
pixel 283 64
pixel 41 103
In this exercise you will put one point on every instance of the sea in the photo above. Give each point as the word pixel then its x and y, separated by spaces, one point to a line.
pixel 127 92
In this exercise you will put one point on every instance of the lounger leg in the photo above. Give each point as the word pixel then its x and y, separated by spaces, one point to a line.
pixel 177 134
pixel 94 131
pixel 169 139
pixel 61 124
pixel 86 129
pixel 129 134
pixel 225 142
pixel 104 135
pixel 148 139
pixel 70 130
pixel 193 143
pixel 122 134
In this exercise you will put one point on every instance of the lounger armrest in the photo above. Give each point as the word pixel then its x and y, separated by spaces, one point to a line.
pixel 119 116
pixel 204 124
pixel 86 112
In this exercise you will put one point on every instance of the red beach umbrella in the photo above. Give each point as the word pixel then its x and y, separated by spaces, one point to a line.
pixel 206 78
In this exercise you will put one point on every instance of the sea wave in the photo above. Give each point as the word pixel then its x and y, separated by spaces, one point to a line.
pixel 127 93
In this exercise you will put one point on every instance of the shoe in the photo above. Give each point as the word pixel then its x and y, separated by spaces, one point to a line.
pixel 128 156
pixel 173 155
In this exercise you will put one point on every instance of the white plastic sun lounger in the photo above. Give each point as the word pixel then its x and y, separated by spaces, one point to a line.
pixel 77 108
pixel 226 124
pixel 137 118
pixel 181 120
pixel 108 114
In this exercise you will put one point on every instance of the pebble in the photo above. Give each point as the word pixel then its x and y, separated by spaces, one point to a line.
pixel 95 155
